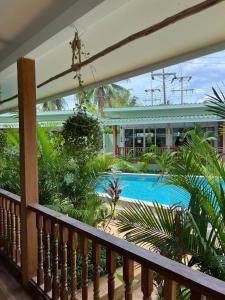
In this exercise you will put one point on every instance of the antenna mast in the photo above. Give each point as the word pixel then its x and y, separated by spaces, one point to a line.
pixel 164 76
pixel 182 79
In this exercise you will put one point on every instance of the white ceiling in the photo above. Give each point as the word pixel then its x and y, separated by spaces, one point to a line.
pixel 100 27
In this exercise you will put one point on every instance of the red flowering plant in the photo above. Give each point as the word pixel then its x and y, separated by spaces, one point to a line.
pixel 113 190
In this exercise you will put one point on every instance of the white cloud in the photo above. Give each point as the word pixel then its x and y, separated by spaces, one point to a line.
pixel 206 71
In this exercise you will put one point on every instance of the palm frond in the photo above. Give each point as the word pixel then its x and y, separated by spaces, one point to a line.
pixel 216 103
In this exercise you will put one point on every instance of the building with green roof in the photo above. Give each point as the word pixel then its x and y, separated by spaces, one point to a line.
pixel 163 126
pixel 135 129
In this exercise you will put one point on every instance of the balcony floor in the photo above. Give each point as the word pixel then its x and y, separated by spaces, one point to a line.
pixel 10 288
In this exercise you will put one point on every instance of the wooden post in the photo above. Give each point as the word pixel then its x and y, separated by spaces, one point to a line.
pixel 115 140
pixel 28 165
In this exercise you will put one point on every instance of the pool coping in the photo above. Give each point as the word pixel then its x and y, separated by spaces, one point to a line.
pixel 126 200
pixel 135 174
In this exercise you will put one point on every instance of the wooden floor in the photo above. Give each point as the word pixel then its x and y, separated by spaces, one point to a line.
pixel 10 288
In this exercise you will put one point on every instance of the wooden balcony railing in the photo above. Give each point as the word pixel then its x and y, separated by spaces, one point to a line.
pixel 10 232
pixel 138 151
pixel 59 237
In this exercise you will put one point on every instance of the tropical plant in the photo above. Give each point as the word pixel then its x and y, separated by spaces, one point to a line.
pixel 103 162
pixel 124 166
pixel 113 190
pixel 63 183
pixel 147 158
pixel 3 140
pixel 216 103
pixel 9 163
pixel 50 164
pixel 165 160
pixel 206 136
pixel 193 235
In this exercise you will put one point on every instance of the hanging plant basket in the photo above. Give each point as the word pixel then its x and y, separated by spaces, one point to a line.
pixel 82 133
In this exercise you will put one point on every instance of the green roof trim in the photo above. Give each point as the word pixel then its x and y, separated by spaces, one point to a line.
pixel 186 113
pixel 50 118
pixel 161 120
pixel 162 114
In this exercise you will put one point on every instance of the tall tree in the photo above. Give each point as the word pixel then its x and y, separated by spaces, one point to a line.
pixel 57 104
pixel 111 95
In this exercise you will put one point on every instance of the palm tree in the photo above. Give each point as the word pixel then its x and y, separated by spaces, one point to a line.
pixel 110 95
pixel 193 235
pixel 57 104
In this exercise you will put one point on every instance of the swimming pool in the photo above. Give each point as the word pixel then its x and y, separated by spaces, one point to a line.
pixel 149 188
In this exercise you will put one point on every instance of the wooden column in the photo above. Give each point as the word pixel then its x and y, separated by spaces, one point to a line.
pixel 114 140
pixel 28 165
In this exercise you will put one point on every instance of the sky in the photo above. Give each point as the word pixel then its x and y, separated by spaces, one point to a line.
pixel 206 72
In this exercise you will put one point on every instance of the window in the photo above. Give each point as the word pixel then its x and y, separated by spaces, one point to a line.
pixel 160 137
pixel 129 138
pixel 177 132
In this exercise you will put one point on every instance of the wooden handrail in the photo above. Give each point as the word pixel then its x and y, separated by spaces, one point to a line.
pixel 9 195
pixel 193 279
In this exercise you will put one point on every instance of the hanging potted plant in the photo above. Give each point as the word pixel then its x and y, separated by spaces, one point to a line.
pixel 82 131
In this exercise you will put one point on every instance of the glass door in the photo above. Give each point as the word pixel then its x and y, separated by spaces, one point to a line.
pixel 149 137
pixel 138 138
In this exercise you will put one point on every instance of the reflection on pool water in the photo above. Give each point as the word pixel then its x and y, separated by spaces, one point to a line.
pixel 149 188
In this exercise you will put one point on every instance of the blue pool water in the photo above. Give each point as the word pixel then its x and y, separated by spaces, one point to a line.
pixel 150 188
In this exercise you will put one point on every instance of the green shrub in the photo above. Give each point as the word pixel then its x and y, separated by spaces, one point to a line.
pixel 124 166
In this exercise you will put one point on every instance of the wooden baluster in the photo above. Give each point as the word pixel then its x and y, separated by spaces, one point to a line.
pixel 1 223
pixel 84 253
pixel 13 231
pixel 73 248
pixel 197 296
pixel 5 223
pixel 146 283
pixel 40 270
pixel 128 276
pixel 111 268
pixel 55 282
pixel 18 235
pixel 47 256
pixel 169 289
pixel 64 287
pixel 9 242
pixel 96 273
